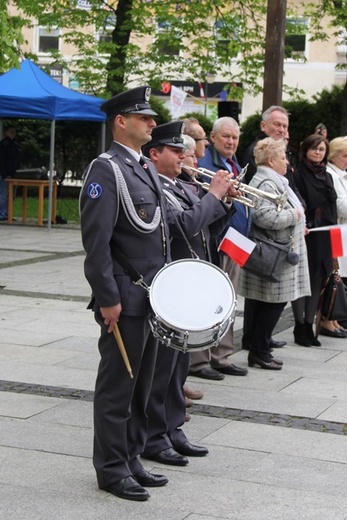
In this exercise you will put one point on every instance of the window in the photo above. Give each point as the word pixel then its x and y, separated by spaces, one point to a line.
pixel 105 32
pixel 48 39
pixel 295 39
pixel 226 38
pixel 167 39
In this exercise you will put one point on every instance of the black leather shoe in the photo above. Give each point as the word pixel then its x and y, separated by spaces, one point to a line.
pixel 207 373
pixel 276 344
pixel 332 333
pixel 191 450
pixel 277 361
pixel 233 370
pixel 170 457
pixel 147 479
pixel 268 365
pixel 128 488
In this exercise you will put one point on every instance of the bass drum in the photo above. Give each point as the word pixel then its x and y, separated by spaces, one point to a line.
pixel 192 305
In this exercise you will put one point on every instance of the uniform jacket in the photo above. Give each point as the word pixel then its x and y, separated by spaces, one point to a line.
pixel 294 282
pixel 103 220
pixel 209 214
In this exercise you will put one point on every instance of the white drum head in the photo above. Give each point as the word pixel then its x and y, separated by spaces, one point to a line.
pixel 192 295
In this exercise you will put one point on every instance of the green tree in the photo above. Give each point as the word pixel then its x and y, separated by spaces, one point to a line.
pixel 11 38
pixel 190 38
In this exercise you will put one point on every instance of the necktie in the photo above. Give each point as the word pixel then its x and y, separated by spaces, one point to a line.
pixel 143 162
pixel 233 167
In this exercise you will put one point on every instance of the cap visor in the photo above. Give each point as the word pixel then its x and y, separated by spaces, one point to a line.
pixel 146 111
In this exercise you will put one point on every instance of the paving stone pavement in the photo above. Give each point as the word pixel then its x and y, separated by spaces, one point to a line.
pixel 277 440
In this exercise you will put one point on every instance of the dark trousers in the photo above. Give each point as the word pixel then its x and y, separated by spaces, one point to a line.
pixel 120 402
pixel 167 406
pixel 265 318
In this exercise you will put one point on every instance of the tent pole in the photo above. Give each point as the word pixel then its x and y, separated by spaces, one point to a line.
pixel 51 175
pixel 103 137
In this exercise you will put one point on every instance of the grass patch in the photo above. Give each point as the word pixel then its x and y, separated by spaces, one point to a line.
pixel 67 208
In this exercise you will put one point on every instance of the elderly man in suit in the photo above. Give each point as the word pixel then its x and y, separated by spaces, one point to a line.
pixel 166 442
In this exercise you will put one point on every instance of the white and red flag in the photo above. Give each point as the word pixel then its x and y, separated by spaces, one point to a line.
pixel 237 246
pixel 338 237
pixel 202 93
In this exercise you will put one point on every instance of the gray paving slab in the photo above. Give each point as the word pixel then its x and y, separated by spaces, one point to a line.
pixel 259 466
pixel 286 441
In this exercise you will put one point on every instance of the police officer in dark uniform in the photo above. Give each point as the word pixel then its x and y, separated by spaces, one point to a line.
pixel 166 442
pixel 123 209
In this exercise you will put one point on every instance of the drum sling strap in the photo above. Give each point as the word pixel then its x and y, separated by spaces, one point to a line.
pixel 133 273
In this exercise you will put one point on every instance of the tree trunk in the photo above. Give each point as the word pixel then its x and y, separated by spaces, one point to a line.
pixel 120 37
pixel 274 52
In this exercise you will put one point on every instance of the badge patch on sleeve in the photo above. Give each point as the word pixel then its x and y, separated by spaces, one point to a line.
pixel 94 190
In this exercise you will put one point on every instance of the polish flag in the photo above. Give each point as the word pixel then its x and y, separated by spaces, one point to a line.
pixel 202 93
pixel 338 237
pixel 237 246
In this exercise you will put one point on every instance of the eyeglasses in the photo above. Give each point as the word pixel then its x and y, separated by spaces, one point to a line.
pixel 320 150
pixel 201 139
pixel 191 156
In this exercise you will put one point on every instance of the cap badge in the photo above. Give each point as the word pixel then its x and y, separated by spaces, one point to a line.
pixel 147 93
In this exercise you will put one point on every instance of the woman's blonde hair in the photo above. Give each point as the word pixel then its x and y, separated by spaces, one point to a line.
pixel 189 142
pixel 268 148
pixel 336 146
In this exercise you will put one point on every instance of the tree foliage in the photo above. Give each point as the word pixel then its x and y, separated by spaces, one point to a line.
pixel 188 38
pixel 11 38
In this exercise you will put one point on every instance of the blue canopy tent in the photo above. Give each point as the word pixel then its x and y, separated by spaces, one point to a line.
pixel 30 93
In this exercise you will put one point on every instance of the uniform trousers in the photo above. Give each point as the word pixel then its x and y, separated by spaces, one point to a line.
pixel 266 316
pixel 218 357
pixel 166 405
pixel 120 402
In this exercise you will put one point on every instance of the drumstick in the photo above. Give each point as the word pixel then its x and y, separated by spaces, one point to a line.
pixel 121 346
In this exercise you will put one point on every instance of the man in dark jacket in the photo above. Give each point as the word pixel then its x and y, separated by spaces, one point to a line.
pixel 123 211
pixel 220 154
pixel 274 123
pixel 166 441
pixel 9 163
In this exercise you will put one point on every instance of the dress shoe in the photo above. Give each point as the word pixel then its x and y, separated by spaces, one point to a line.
pixel 170 457
pixel 207 373
pixel 332 333
pixel 147 479
pixel 268 365
pixel 128 488
pixel 191 450
pixel 277 361
pixel 233 370
pixel 276 344
pixel 190 393
pixel 189 402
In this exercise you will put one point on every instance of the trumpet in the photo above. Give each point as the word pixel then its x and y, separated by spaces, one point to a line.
pixel 254 194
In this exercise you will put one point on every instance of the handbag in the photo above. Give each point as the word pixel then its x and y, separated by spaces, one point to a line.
pixel 333 298
pixel 269 256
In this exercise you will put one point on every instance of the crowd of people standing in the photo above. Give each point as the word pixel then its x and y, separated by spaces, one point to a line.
pixel 141 208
